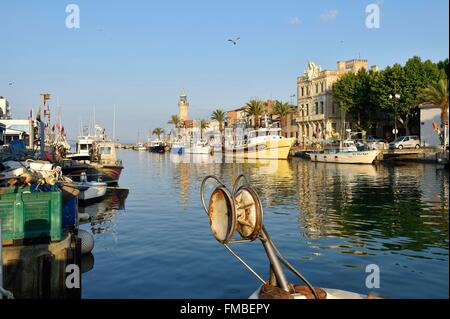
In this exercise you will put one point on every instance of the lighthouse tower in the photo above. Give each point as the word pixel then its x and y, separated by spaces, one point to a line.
pixel 183 106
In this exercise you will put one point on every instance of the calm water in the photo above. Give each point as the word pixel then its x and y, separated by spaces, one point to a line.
pixel 330 220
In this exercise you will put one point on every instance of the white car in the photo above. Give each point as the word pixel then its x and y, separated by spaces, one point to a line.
pixel 405 142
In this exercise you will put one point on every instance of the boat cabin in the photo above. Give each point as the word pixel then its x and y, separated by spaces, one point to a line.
pixel 105 153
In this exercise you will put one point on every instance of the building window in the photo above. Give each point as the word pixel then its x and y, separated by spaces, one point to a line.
pixel 317 107
pixel 307 90
pixel 321 107
pixel 322 86
pixel 303 91
pixel 317 87
pixel 307 109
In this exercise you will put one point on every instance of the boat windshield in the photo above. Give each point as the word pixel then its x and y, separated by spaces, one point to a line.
pixel 105 150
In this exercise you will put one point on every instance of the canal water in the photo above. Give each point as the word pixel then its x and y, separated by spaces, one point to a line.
pixel 331 221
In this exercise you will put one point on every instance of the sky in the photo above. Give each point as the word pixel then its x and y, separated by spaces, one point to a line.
pixel 139 55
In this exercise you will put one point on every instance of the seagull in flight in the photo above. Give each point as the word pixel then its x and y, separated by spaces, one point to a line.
pixel 234 41
pixel 11 83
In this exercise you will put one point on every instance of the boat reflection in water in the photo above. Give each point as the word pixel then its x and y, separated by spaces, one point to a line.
pixel 102 215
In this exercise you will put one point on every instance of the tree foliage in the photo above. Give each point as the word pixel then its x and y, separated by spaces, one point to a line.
pixel 219 116
pixel 437 94
pixel 255 109
pixel 364 94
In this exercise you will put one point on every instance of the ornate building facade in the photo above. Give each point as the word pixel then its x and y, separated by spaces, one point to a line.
pixel 319 117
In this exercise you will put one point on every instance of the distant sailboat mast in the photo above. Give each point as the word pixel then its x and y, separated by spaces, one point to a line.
pixel 114 124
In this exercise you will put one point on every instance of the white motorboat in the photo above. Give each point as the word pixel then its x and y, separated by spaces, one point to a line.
pixel 345 157
pixel 199 147
pixel 91 191
pixel 141 148
pixel 264 143
pixel 347 154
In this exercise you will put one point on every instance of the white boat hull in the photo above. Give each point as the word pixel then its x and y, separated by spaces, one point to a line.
pixel 198 150
pixel 93 192
pixel 364 157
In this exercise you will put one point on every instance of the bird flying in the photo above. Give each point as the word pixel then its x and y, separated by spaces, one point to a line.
pixel 234 41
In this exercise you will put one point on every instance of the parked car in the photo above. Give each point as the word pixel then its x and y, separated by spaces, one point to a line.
pixel 405 142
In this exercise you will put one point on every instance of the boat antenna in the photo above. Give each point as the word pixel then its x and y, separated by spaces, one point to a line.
pixel 114 124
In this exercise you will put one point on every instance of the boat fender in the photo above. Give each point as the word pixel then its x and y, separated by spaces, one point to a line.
pixel 83 216
pixel 87 241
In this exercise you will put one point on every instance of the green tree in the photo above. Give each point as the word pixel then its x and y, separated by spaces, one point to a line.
pixel 443 65
pixel 158 132
pixel 282 109
pixel 437 94
pixel 408 82
pixel 352 92
pixel 255 109
pixel 203 126
pixel 220 116
pixel 175 120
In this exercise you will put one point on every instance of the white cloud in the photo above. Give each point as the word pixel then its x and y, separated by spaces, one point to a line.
pixel 295 21
pixel 329 15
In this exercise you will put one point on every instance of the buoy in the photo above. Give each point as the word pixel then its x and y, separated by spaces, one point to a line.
pixel 83 216
pixel 87 241
pixel 87 263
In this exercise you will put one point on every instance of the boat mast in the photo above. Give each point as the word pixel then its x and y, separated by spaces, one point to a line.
pixel 114 124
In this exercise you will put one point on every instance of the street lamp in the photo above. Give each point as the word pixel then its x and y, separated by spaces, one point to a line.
pixel 302 109
pixel 293 99
pixel 395 97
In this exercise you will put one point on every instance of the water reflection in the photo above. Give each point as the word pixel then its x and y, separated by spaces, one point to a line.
pixel 331 220
pixel 374 207
pixel 103 214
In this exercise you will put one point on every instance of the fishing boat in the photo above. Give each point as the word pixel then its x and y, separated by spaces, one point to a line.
pixel 177 147
pixel 141 148
pixel 101 164
pixel 90 192
pixel 157 146
pixel 264 144
pixel 347 154
pixel 236 217
pixel 83 149
pixel 199 147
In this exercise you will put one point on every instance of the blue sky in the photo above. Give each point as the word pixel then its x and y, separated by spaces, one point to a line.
pixel 139 55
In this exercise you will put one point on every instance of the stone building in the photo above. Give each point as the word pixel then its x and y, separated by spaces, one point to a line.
pixel 319 117
pixel 5 110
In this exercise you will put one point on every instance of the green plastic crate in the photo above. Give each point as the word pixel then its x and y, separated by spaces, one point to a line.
pixel 31 215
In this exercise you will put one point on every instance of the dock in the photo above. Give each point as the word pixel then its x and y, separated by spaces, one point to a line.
pixel 423 155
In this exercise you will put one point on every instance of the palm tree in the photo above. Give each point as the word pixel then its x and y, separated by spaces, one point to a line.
pixel 175 120
pixel 158 132
pixel 220 117
pixel 437 94
pixel 203 125
pixel 254 109
pixel 282 109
